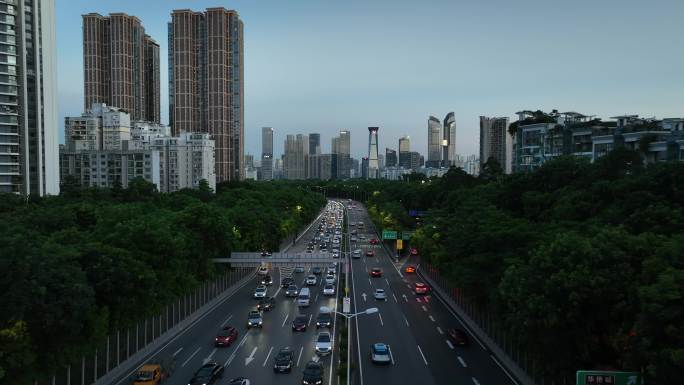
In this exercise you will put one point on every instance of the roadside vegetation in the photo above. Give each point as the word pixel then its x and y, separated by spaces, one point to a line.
pixel 82 264
pixel 583 263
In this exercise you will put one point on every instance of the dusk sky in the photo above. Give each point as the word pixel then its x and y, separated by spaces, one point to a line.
pixel 322 66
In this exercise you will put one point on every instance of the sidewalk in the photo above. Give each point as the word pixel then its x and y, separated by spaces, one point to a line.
pixel 512 369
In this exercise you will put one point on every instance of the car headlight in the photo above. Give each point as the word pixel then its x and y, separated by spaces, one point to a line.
pixel 260 322
pixel 319 382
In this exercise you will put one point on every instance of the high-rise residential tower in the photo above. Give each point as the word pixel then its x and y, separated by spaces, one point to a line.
pixel 206 88
pixel 495 143
pixel 373 165
pixel 434 142
pixel 449 140
pixel 266 153
pixel 120 65
pixel 314 144
pixel 29 154
pixel 341 147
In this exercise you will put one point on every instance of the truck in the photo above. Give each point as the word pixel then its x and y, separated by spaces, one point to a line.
pixel 154 373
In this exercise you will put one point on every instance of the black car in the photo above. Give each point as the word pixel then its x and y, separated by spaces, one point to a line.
pixel 283 361
pixel 266 280
pixel 267 304
pixel 208 374
pixel 287 281
pixel 239 381
pixel 291 291
pixel 299 323
pixel 317 270
pixel 313 373
pixel 324 320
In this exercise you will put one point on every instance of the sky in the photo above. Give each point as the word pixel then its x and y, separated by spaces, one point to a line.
pixel 325 66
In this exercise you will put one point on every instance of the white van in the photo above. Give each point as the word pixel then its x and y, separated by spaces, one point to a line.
pixel 304 297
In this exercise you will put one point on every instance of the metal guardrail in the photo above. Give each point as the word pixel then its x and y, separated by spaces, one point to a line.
pixel 246 259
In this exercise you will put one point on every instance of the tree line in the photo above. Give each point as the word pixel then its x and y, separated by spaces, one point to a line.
pixel 582 262
pixel 77 266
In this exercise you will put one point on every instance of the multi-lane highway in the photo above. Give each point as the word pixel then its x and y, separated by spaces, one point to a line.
pixel 413 326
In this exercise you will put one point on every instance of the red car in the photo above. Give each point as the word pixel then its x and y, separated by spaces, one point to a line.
pixel 370 253
pixel 374 241
pixel 376 272
pixel 421 288
pixel 226 337
pixel 414 252
pixel 410 269
pixel 458 337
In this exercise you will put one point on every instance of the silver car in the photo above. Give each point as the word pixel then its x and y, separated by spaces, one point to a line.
pixel 311 280
pixel 380 295
pixel 323 345
pixel 260 291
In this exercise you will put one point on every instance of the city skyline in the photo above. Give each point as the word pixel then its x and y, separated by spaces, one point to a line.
pixel 472 78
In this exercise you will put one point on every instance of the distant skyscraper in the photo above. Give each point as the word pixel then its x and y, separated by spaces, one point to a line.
pixel 295 157
pixel 314 144
pixel 364 167
pixel 404 152
pixel 449 140
pixel 434 142
pixel 390 158
pixel 341 146
pixel 495 143
pixel 206 89
pixel 267 153
pixel 121 65
pixel 29 153
pixel 373 165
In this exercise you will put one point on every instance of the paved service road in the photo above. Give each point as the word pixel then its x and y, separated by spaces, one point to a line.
pixel 252 355
pixel 413 326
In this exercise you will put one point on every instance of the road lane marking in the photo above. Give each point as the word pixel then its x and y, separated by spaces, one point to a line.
pixel 395 298
pixel 421 354
pixel 391 355
pixel 406 320
pixel 451 346
pixel 277 291
pixel 211 354
pixel 409 286
pixel 387 281
pixel 285 320
pixel 226 321
pixel 439 330
pixel 316 299
pixel 405 299
pixel 462 362
pixel 310 315
pixel 424 308
pixel 431 318
pixel 249 359
pixel 177 351
pixel 380 315
pixel 192 355
pixel 369 282
pixel 475 381
pixel 300 355
pixel 504 370
pixel 268 355
pixel 232 356
pixel 418 299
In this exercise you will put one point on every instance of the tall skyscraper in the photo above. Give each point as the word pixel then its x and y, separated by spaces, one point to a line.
pixel 121 65
pixel 449 140
pixel 206 82
pixel 314 144
pixel 495 143
pixel 434 142
pixel 405 152
pixel 373 165
pixel 296 155
pixel 341 147
pixel 29 154
pixel 266 153
pixel 390 158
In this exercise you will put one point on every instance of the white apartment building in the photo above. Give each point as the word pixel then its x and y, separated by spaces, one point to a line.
pixel 185 161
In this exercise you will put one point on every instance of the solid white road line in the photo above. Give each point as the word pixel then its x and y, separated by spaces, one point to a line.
pixel 277 291
pixel 475 381
pixel 177 351
pixel 192 355
pixel 391 355
pixel 424 308
pixel 431 318
pixel 232 356
pixel 211 354
pixel 504 370
pixel 421 354
pixel 285 320
pixel 451 346
pixel 380 315
pixel 310 315
pixel 395 298
pixel 300 355
pixel 268 355
pixel 462 362
pixel 230 359
pixel 439 330
pixel 226 321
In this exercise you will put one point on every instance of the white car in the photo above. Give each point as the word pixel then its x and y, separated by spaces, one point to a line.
pixel 335 254
pixel 311 280
pixel 356 253
pixel 336 241
pixel 323 345
pixel 329 279
pixel 329 290
pixel 263 270
pixel 354 239
pixel 260 291
pixel 380 353
pixel 380 295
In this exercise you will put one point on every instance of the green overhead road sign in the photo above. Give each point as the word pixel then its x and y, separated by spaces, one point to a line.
pixel 406 235
pixel 600 377
pixel 389 234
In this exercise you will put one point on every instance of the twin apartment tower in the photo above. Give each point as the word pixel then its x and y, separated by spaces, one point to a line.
pixel 206 76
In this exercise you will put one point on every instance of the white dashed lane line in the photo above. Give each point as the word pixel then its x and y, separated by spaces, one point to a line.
pixel 423 355
pixel 462 362
pixel 189 358
pixel 439 330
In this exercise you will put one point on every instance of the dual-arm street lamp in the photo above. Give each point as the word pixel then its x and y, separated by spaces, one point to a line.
pixel 371 310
